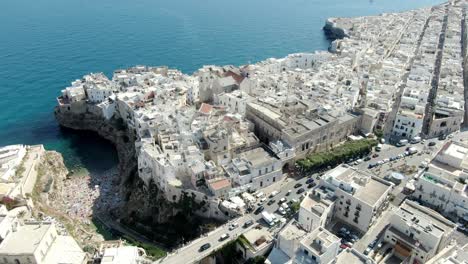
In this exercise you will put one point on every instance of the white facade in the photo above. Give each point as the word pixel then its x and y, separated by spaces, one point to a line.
pixel 316 210
pixel 235 101
pixel 417 232
pixel 408 124
pixel 256 168
pixel 39 243
pixel 319 246
pixel 360 197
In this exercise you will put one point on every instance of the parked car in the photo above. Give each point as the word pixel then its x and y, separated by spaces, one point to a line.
pixel 344 246
pixel 310 180
pixel 263 199
pixel 248 223
pixel 271 202
pixel 443 137
pixel 297 185
pixel 431 144
pixel 375 155
pixel 273 194
pixel 282 200
pixel 204 247
pixel 233 226
pixel 288 193
pixel 311 185
pixel 281 211
pixel 370 166
pixel 367 158
pixel 259 210
pixel 301 190
pixel 367 251
pixel 224 237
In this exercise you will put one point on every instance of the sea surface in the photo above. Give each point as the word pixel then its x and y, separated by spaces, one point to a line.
pixel 46 44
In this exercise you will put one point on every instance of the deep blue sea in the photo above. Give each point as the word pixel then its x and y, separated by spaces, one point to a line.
pixel 45 44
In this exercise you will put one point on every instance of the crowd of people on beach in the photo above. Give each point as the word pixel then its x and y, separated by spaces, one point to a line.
pixel 85 195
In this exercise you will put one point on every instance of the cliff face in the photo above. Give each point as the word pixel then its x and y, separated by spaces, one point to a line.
pixel 142 204
pixel 112 130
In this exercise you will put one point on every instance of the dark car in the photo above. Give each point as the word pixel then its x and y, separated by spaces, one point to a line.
pixel 375 155
pixel 310 180
pixel 248 223
pixel 370 166
pixel 297 185
pixel 443 137
pixel 204 247
pixel 367 158
pixel 431 144
pixel 301 190
pixel 271 202
pixel 311 185
pixel 259 210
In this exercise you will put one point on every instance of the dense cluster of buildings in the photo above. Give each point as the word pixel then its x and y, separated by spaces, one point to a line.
pixel 198 132
pixel 225 130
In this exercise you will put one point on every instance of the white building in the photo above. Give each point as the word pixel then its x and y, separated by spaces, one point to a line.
pixel 316 210
pixel 10 159
pixel 235 101
pixel 441 186
pixel 256 168
pixel 319 246
pixel 360 197
pixel 72 94
pixel 418 233
pixel 352 256
pixel 39 243
pixel 408 124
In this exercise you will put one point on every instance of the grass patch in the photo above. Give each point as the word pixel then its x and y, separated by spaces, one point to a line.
pixel 152 252
pixel 101 229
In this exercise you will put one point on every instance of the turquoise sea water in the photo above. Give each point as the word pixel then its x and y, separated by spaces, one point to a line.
pixel 45 44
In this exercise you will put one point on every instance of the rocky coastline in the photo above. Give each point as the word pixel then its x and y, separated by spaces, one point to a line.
pixel 144 207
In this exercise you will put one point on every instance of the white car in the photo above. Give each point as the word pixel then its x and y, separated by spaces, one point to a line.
pixel 282 200
pixel 281 211
pixel 263 199
pixel 233 226
pixel 224 237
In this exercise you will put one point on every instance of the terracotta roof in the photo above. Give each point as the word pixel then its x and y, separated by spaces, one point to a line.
pixel 205 109
pixel 237 77
pixel 220 184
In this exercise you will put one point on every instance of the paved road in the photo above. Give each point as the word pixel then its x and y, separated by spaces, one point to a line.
pixel 191 253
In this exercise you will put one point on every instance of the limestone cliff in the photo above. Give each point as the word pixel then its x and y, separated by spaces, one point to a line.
pixel 142 204
pixel 51 173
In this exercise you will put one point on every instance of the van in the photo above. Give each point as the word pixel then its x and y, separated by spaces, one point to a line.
pixel 402 142
pixel 415 140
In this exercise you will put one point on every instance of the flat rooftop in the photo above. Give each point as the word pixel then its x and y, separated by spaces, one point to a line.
pixel 351 256
pixel 25 240
pixel 372 191
pixel 424 218
pixel 292 231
